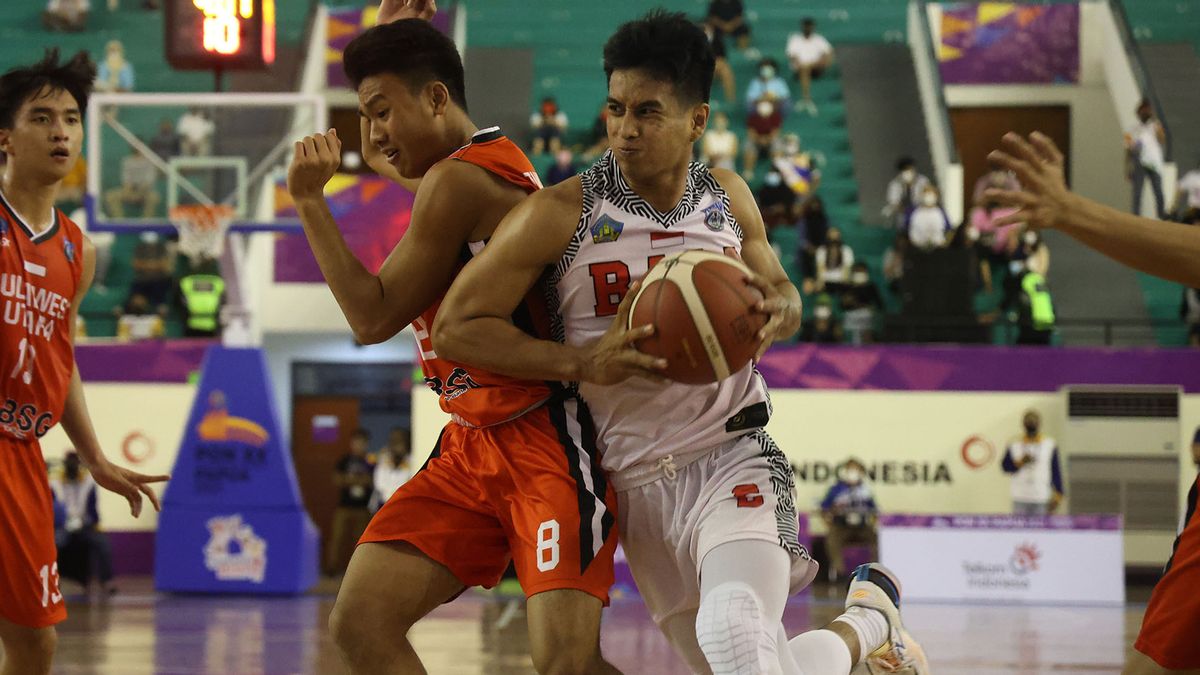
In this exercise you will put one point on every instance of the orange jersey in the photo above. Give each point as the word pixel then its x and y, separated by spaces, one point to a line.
pixel 39 277
pixel 475 396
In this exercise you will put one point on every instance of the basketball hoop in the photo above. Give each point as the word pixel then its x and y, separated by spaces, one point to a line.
pixel 202 228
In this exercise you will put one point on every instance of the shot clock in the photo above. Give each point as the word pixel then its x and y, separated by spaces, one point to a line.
pixel 220 35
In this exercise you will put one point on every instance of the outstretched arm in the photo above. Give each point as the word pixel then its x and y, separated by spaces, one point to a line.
pixel 77 422
pixel 474 324
pixel 1164 249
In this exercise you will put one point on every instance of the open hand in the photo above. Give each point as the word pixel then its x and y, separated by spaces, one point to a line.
pixel 613 358
pixel 1043 198
pixel 316 160
pixel 129 484
pixel 396 10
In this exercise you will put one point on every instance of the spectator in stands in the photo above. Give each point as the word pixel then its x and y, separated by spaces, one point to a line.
pixel 719 148
pixel 860 304
pixel 1187 197
pixel 548 124
pixel 195 133
pixel 824 328
pixel 1189 311
pixel 904 192
pixel 999 179
pixel 138 320
pixel 138 178
pixel 563 167
pixel 599 137
pixel 166 143
pixel 201 296
pixel 103 243
pixel 776 202
pixel 114 74
pixel 762 132
pixel 355 481
pixel 928 225
pixel 1145 157
pixel 84 553
pixel 728 18
pixel 814 224
pixel 768 86
pixel 1032 461
pixel 809 54
pixel 893 262
pixel 796 167
pixel 722 70
pixel 850 516
pixel 834 260
pixel 393 469
pixel 66 15
pixel 997 242
pixel 152 271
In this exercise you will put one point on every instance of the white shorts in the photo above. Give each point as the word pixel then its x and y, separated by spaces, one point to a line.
pixel 672 517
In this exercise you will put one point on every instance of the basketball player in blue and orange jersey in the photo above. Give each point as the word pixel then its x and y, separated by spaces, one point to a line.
pixel 46 266
pixel 706 498
pixel 1169 642
pixel 515 474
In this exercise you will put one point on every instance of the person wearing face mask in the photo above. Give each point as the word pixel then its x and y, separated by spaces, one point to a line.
pixel 1145 157
pixel 850 516
pixel 814 228
pixel 860 302
pixel 548 123
pixel 84 553
pixel 834 260
pixel 995 179
pixel 719 147
pixel 769 85
pixel 809 54
pixel 824 327
pixel 153 267
pixel 776 201
pixel 762 132
pixel 1032 462
pixel 904 192
pixel 928 225
pixel 114 73
pixel 796 167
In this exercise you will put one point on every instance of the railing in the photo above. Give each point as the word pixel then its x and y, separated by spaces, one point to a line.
pixel 942 146
pixel 1125 31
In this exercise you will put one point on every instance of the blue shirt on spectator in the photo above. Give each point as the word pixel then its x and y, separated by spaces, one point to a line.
pixel 777 87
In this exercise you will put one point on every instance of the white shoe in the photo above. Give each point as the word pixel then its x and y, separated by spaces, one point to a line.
pixel 875 587
pixel 812 108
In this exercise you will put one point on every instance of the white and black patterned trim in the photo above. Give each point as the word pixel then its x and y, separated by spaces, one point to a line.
pixel 605 180
pixel 784 487
pixel 582 231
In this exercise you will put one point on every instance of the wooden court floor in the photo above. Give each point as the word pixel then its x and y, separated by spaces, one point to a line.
pixel 139 632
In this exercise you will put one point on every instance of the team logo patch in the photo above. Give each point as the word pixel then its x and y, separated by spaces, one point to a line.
pixel 69 250
pixel 606 229
pixel 714 217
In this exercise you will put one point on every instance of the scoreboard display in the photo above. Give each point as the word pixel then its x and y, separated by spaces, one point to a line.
pixel 220 34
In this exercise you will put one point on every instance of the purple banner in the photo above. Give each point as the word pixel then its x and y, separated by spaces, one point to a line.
pixel 1009 43
pixel 974 368
pixel 345 24
pixel 373 214
pixel 144 361
pixel 1004 522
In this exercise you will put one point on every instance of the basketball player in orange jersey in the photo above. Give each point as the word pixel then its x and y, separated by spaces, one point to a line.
pixel 46 266
pixel 515 474
pixel 706 498
pixel 1169 642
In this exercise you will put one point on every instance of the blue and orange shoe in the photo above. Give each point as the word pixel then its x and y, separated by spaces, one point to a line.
pixel 875 587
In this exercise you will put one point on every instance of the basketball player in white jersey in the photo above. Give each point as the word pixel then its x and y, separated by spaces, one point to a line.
pixel 706 510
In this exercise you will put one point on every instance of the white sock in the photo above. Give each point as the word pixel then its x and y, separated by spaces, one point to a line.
pixel 821 652
pixel 870 625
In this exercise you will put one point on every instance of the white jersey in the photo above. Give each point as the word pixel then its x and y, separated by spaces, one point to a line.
pixel 618 239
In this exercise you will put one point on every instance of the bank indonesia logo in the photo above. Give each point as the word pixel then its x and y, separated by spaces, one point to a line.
pixel 234 552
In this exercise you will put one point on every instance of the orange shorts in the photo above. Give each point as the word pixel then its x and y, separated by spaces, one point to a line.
pixel 29 594
pixel 1168 634
pixel 529 490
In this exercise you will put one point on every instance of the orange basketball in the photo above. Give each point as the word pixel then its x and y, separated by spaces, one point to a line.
pixel 702 310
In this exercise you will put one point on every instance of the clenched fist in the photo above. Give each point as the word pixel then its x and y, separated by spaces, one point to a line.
pixel 316 159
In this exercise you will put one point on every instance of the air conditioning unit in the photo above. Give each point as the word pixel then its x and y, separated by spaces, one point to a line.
pixel 1120 447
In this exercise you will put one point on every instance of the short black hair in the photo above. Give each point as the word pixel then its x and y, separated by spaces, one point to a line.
pixel 19 84
pixel 412 49
pixel 668 46
pixel 362 433
pixel 904 163
pixel 808 21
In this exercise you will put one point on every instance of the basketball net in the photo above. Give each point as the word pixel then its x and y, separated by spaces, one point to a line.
pixel 202 229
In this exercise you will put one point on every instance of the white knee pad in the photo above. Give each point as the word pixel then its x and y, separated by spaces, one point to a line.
pixel 733 634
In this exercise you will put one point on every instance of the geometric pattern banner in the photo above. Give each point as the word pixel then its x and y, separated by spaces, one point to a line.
pixel 1009 43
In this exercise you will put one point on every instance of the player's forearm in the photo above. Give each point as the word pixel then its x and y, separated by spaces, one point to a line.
pixel 358 292
pixel 1165 249
pixel 498 346
pixel 795 306
pixel 77 423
